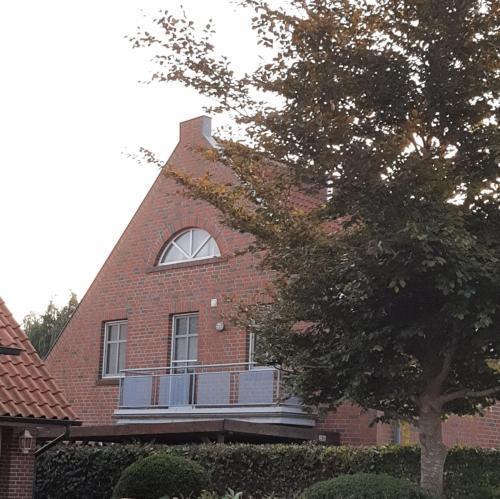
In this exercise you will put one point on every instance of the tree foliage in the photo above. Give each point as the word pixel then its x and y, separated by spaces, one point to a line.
pixel 44 329
pixel 396 276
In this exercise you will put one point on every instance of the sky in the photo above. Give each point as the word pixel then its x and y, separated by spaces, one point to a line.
pixel 72 109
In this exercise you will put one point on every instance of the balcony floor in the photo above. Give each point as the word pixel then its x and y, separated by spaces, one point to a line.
pixel 275 414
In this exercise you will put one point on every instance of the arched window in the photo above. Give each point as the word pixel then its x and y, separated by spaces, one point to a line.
pixel 192 244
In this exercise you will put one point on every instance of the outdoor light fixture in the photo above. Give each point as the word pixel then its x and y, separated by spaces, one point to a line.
pixel 26 442
pixel 219 326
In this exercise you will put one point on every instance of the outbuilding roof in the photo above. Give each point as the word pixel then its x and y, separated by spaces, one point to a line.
pixel 27 390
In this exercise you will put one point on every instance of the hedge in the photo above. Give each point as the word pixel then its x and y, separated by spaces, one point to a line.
pixel 282 470
pixel 365 486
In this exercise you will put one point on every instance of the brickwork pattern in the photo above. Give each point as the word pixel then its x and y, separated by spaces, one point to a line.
pixel 131 286
pixel 16 469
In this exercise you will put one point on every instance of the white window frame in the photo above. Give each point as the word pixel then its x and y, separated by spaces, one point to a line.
pixel 191 257
pixel 177 364
pixel 252 364
pixel 119 342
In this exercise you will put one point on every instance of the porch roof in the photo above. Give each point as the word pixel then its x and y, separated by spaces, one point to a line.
pixel 27 390
pixel 196 431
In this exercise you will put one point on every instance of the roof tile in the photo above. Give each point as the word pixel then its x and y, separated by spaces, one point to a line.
pixel 26 387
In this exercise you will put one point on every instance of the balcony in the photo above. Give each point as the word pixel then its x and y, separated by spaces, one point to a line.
pixel 206 392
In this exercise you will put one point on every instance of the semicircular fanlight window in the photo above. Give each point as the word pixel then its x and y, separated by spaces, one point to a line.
pixel 192 244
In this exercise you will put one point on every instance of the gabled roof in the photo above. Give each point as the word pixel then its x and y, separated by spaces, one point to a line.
pixel 27 390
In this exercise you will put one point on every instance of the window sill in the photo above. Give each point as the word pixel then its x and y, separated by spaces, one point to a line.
pixel 108 381
pixel 182 265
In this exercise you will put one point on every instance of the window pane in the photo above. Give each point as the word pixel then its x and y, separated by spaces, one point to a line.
pixel 193 348
pixel 173 254
pixel 199 237
pixel 122 348
pixel 213 248
pixel 180 349
pixel 111 353
pixel 181 324
pixel 123 331
pixel 205 251
pixel 193 324
pixel 113 332
pixel 183 241
pixel 251 347
pixel 210 249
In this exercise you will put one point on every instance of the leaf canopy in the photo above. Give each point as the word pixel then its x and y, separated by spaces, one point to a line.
pixel 393 107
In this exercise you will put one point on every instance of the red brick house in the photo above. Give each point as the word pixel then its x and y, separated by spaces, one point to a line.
pixel 151 343
pixel 30 401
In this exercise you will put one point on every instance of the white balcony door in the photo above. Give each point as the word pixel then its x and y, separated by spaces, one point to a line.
pixel 252 349
pixel 185 341
pixel 184 355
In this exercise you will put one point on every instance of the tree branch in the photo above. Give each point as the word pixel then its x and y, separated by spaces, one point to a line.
pixel 445 369
pixel 394 415
pixel 468 394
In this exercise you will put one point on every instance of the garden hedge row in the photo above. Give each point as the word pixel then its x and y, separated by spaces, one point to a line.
pixel 90 472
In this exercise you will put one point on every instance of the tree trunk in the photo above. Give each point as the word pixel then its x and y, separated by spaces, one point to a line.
pixel 433 451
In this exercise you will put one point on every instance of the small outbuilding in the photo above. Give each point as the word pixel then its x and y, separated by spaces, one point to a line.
pixel 30 401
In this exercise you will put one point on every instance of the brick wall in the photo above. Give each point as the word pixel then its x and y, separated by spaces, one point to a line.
pixel 353 424
pixel 131 286
pixel 16 468
pixel 474 431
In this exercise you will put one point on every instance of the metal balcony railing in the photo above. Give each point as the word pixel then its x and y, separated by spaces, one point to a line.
pixel 203 386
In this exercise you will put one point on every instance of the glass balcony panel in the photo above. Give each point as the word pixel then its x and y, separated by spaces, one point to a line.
pixel 194 385
pixel 256 387
pixel 213 388
pixel 174 390
pixel 136 391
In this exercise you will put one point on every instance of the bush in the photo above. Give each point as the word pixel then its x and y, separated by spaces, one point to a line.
pixel 83 472
pixel 278 470
pixel 161 475
pixel 364 486
pixel 484 493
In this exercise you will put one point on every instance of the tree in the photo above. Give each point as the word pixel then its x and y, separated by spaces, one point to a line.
pixel 43 330
pixel 395 279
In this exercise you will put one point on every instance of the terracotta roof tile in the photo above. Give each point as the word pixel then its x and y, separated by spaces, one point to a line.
pixel 26 387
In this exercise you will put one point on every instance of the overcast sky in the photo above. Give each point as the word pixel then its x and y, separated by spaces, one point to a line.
pixel 71 108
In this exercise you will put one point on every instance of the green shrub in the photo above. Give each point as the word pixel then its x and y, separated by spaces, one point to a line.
pixel 364 486
pixel 161 475
pixel 277 470
pixel 83 472
pixel 482 493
